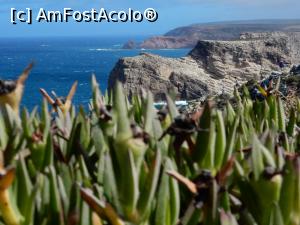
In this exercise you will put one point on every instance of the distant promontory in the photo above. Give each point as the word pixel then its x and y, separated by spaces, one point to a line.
pixel 188 36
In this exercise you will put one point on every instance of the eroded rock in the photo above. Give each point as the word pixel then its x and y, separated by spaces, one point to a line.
pixel 212 67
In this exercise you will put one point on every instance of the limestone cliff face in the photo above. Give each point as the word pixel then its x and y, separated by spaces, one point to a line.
pixel 166 42
pixel 211 67
pixel 159 74
pixel 250 56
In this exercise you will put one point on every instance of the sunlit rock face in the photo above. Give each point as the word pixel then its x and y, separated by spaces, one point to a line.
pixel 211 67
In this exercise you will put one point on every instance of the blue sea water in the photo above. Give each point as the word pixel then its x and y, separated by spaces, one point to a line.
pixel 61 61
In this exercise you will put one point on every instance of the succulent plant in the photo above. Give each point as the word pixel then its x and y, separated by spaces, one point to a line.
pixel 125 162
pixel 11 92
pixel 61 103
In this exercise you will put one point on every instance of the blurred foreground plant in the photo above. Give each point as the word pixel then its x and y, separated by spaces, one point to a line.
pixel 124 162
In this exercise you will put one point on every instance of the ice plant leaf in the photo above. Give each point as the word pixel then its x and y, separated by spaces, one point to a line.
pixel 185 181
pixel 23 77
pixel 104 210
pixel 7 176
pixel 202 141
pixel 70 96
pixel 123 124
pixel 281 116
pixel 172 108
pixel 149 114
pixel 55 201
pixel 47 96
pixel 24 185
pixel 209 159
pixel 129 190
pixel 174 201
pixel 292 123
pixel 220 140
pixel 8 213
pixel 147 194
pixel 225 171
pixel 257 158
pixel 227 218
pixel 276 217
pixel 162 214
pixel 262 91
pixel 232 139
pixel 110 182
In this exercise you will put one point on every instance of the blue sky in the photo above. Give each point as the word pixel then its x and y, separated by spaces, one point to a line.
pixel 172 13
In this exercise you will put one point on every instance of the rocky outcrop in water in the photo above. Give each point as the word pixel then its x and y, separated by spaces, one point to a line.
pixel 211 67
pixel 130 45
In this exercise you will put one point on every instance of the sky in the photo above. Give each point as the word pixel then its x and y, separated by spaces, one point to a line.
pixel 172 14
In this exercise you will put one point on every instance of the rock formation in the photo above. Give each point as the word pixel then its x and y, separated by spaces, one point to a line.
pixel 162 42
pixel 130 45
pixel 211 67
pixel 188 36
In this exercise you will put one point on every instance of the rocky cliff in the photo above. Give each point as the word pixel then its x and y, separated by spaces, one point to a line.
pixel 188 36
pixel 167 42
pixel 211 67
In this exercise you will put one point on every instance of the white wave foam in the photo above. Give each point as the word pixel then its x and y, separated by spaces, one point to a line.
pixel 105 49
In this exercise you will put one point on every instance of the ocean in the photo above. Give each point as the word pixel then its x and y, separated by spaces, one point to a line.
pixel 61 61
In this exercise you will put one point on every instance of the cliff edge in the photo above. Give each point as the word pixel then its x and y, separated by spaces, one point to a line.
pixel 211 67
pixel 188 36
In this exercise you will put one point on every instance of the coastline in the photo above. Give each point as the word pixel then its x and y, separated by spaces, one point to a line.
pixel 61 60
